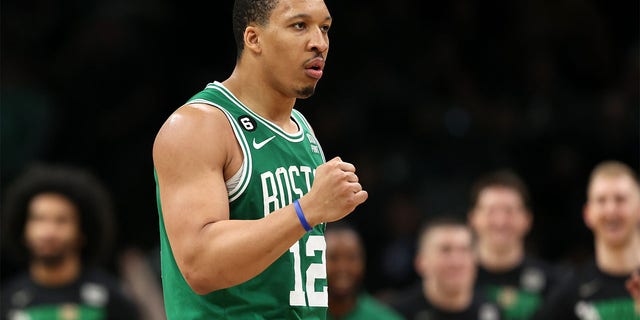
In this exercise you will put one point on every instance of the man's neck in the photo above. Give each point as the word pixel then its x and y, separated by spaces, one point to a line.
pixel 500 260
pixel 55 275
pixel 620 260
pixel 452 302
pixel 341 305
pixel 262 99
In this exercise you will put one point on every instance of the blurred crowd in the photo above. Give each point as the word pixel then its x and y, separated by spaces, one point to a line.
pixel 424 97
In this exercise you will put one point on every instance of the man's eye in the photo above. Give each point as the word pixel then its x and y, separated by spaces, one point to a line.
pixel 299 25
pixel 326 28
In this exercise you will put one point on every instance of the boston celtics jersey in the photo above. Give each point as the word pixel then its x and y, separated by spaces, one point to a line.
pixel 519 292
pixel 412 304
pixel 589 293
pixel 94 295
pixel 277 169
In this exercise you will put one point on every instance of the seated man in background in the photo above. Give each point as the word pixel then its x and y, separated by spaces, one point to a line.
pixel 345 272
pixel 607 287
pixel 446 263
pixel 60 218
pixel 501 217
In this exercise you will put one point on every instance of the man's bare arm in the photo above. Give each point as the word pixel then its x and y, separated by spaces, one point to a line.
pixel 190 153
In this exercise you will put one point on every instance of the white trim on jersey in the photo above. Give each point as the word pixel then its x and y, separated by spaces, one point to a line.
pixel 296 137
pixel 303 119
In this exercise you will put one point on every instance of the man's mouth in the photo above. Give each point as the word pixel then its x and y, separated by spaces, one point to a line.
pixel 613 226
pixel 314 68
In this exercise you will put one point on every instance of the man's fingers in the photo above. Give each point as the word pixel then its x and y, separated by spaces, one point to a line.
pixel 346 166
pixel 352 177
pixel 361 196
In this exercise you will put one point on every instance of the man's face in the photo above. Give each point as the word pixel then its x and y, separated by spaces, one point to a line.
pixel 446 257
pixel 294 45
pixel 612 211
pixel 500 218
pixel 345 262
pixel 52 229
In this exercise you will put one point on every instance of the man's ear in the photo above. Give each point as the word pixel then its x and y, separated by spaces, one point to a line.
pixel 418 264
pixel 252 39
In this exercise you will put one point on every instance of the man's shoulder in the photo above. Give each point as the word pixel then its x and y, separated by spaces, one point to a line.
pixel 215 94
pixel 552 273
pixel 374 308
pixel 16 282
pixel 191 125
pixel 409 299
pixel 95 278
pixel 96 282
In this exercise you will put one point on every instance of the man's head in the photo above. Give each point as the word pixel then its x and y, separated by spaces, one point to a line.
pixel 612 210
pixel 345 259
pixel 445 255
pixel 52 212
pixel 52 230
pixel 284 42
pixel 250 12
pixel 500 211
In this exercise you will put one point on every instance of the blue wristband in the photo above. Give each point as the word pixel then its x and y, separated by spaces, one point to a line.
pixel 303 220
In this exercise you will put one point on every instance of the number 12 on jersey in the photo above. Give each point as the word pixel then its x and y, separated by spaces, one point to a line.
pixel 313 272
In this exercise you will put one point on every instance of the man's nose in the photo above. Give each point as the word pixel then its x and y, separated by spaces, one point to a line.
pixel 319 41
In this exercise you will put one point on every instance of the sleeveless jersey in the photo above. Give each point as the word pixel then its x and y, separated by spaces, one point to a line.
pixel 519 292
pixel 590 293
pixel 278 168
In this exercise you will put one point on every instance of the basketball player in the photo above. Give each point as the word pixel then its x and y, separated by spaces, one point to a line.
pixel 607 287
pixel 244 191
pixel 501 218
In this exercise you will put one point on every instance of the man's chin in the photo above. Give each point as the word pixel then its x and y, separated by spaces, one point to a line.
pixel 503 241
pixel 341 293
pixel 455 288
pixel 48 259
pixel 617 240
pixel 306 92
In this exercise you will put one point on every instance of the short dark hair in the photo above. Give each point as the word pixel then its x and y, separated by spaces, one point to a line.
pixel 246 12
pixel 345 226
pixel 505 178
pixel 82 188
pixel 442 220
pixel 342 225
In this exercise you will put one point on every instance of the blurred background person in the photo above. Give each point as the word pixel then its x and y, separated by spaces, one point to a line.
pixel 604 287
pixel 501 217
pixel 346 265
pixel 59 221
pixel 446 262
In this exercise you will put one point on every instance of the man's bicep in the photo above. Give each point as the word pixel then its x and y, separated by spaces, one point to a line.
pixel 190 200
pixel 189 167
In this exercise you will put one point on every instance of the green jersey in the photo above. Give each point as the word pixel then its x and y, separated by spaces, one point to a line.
pixel 277 169
pixel 367 308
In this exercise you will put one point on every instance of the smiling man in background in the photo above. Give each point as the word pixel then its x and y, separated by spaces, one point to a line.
pixel 606 287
